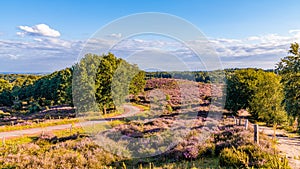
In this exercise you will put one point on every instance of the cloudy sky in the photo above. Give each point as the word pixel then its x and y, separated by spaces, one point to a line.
pixel 44 36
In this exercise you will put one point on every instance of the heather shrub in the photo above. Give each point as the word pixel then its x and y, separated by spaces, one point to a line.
pixel 230 157
pixel 232 137
pixel 80 153
pixel 236 149
pixel 251 156
pixel 208 150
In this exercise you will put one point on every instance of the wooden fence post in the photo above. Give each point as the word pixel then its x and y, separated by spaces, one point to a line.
pixel 256 133
pixel 233 120
pixel 240 121
pixel 246 124
pixel 71 128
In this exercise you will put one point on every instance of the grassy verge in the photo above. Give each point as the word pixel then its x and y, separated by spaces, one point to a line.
pixel 143 107
pixel 116 113
pixel 37 125
pixel 64 133
pixel 31 138
pixel 63 121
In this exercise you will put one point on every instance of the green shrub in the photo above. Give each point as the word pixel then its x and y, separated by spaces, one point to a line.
pixel 248 156
pixel 230 157
pixel 34 107
pixel 168 97
pixel 169 108
pixel 208 150
pixel 275 161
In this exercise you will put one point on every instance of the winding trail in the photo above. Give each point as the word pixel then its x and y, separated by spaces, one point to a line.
pixel 288 146
pixel 129 111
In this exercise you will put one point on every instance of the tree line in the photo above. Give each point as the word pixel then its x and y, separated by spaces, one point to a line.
pixel 197 76
pixel 93 77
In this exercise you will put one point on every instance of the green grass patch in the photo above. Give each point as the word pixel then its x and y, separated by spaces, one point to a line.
pixel 16 141
pixel 141 106
pixel 91 129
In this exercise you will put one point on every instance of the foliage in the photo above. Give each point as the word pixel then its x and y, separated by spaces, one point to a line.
pixel 289 69
pixel 19 79
pixel 54 87
pixel 258 91
pixel 236 149
pixel 4 85
pixel 251 156
pixel 34 107
pixel 83 84
pixel 198 76
pixel 106 81
pixel 6 98
pixel 234 158
pixel 92 78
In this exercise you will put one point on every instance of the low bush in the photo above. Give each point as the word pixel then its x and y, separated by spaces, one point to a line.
pixel 230 157
pixel 80 153
pixel 251 156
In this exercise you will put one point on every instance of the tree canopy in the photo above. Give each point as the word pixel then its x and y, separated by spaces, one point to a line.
pixel 259 92
pixel 289 69
pixel 97 79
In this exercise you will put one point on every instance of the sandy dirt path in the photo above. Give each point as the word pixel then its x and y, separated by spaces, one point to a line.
pixel 288 146
pixel 129 111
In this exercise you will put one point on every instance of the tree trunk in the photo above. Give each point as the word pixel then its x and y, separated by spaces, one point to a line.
pixel 104 110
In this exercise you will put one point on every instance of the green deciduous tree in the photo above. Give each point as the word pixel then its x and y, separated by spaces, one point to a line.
pixel 266 102
pixel 289 69
pixel 105 72
pixel 258 91
pixel 83 83
pixel 104 81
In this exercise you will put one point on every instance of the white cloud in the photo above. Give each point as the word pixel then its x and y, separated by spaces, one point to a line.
pixel 39 30
pixel 253 38
pixel 254 51
pixel 12 56
pixel 254 45
pixel 116 35
pixel 296 33
pixel 294 30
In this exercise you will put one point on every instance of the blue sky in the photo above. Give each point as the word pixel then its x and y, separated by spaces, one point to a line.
pixel 248 33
